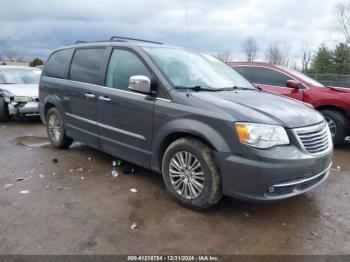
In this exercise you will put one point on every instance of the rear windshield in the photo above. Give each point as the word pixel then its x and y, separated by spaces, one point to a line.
pixel 19 76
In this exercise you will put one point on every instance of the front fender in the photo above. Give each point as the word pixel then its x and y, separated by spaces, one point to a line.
pixel 190 127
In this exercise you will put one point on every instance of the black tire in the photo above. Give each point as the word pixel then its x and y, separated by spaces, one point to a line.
pixel 62 140
pixel 4 110
pixel 211 192
pixel 340 124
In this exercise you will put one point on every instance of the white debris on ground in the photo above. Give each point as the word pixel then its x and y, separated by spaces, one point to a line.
pixel 24 192
pixel 133 226
pixel 133 190
pixel 8 186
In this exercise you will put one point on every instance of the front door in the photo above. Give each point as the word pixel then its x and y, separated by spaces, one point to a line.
pixel 274 81
pixel 125 117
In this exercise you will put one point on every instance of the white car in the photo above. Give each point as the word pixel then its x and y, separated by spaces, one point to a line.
pixel 19 91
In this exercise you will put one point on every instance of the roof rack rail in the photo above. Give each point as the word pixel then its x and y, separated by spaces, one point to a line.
pixel 124 39
pixel 80 42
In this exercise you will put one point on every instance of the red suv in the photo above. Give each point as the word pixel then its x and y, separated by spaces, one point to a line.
pixel 332 102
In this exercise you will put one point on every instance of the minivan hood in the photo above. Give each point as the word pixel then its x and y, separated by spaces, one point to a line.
pixel 263 107
pixel 31 90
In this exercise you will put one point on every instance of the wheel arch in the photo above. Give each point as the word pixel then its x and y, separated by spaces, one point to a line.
pixel 198 130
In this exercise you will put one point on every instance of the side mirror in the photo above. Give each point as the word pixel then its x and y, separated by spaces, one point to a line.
pixel 141 84
pixel 293 84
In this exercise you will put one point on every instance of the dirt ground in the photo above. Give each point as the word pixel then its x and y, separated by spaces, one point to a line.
pixel 75 206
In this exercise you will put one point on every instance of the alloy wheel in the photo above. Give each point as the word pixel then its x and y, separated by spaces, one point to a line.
pixel 54 128
pixel 332 126
pixel 186 175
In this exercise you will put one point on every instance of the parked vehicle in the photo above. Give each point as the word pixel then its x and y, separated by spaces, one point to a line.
pixel 19 91
pixel 332 102
pixel 186 115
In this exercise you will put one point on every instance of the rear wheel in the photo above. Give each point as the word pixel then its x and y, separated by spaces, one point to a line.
pixel 337 125
pixel 4 110
pixel 55 129
pixel 190 174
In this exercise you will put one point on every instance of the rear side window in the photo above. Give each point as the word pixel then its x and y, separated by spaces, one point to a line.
pixel 86 65
pixel 122 65
pixel 56 65
pixel 266 76
pixel 245 71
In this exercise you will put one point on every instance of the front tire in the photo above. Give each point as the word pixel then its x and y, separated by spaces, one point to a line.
pixel 4 110
pixel 55 129
pixel 337 124
pixel 191 175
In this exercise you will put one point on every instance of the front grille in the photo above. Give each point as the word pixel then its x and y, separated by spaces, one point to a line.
pixel 315 139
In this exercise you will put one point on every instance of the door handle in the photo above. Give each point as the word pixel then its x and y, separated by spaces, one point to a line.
pixel 104 98
pixel 89 95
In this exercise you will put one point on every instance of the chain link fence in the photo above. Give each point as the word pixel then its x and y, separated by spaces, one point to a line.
pixel 332 79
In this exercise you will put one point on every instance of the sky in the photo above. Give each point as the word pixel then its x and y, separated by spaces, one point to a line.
pixel 35 28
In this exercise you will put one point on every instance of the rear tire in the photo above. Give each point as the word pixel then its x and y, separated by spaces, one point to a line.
pixel 55 129
pixel 191 175
pixel 4 110
pixel 338 124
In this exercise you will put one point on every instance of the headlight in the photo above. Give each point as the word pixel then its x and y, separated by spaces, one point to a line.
pixel 23 99
pixel 260 135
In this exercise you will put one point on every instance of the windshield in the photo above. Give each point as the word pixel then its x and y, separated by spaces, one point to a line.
pixel 304 77
pixel 188 69
pixel 19 76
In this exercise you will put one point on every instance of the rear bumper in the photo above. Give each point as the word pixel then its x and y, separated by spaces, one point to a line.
pixel 271 179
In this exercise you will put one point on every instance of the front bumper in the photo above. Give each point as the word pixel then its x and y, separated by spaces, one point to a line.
pixel 270 176
pixel 29 108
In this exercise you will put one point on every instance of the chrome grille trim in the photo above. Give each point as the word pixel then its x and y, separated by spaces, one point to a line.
pixel 316 139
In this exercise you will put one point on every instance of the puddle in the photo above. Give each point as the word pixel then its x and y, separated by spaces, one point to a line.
pixel 32 141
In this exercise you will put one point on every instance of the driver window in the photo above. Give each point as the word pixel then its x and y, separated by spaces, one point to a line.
pixel 122 65
pixel 267 76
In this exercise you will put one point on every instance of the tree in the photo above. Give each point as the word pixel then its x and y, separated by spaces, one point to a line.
pixel 306 56
pixel 250 48
pixel 36 62
pixel 224 56
pixel 342 16
pixel 341 59
pixel 322 62
pixel 278 54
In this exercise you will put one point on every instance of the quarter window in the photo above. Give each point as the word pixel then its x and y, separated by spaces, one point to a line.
pixel 86 65
pixel 122 65
pixel 56 65
pixel 266 76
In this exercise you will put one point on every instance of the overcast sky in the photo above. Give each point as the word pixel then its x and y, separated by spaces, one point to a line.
pixel 36 27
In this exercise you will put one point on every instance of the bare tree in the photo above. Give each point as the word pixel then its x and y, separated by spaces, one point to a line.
pixel 250 48
pixel 278 54
pixel 306 56
pixel 11 54
pixel 224 56
pixel 342 16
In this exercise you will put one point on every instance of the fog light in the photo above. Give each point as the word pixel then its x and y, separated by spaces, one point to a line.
pixel 271 189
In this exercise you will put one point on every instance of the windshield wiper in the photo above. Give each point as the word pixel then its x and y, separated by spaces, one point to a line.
pixel 8 83
pixel 199 88
pixel 242 88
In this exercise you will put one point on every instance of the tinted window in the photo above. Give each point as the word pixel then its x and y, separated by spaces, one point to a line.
pixel 268 76
pixel 56 65
pixel 122 65
pixel 86 65
pixel 246 72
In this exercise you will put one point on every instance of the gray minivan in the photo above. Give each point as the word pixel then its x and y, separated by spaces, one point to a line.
pixel 186 115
